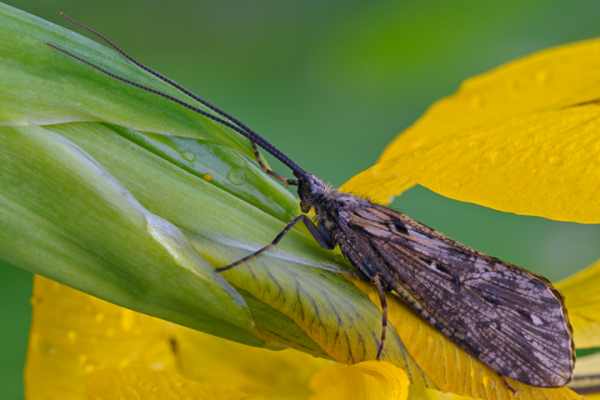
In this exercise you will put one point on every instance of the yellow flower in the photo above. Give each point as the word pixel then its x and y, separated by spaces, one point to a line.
pixel 523 139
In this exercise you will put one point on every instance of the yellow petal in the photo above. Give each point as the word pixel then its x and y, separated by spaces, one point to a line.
pixel 582 299
pixel 516 139
pixel 363 381
pixel 255 371
pixel 73 335
pixel 138 382
pixel 80 344
pixel 450 368
pixel 431 394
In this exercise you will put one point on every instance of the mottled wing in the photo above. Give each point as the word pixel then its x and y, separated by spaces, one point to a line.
pixel 510 319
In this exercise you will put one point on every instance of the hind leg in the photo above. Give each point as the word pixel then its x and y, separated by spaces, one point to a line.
pixel 384 313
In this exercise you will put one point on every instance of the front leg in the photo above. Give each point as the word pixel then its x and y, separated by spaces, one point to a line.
pixel 269 171
pixel 317 232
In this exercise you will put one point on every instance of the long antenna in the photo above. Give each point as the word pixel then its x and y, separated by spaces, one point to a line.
pixel 154 72
pixel 251 135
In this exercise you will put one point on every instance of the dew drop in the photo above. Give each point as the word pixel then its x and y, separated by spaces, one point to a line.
pixel 87 365
pixel 237 176
pixel 127 320
pixel 541 76
pixel 554 160
pixel 189 156
pixel 72 336
pixel 476 101
pixel 83 359
pixel 485 380
pixel 493 156
pixel 474 143
pixel 157 366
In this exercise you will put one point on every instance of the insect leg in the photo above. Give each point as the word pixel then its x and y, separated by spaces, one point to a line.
pixel 508 385
pixel 258 252
pixel 269 171
pixel 384 311
pixel 319 235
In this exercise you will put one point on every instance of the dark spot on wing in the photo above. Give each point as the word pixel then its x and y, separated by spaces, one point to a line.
pixel 399 226
pixel 525 314
pixel 538 283
pixel 442 268
pixel 490 299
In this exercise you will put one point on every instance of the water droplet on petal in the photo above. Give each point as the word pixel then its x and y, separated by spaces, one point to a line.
pixel 541 76
pixel 485 380
pixel 83 359
pixel 492 156
pixel 72 336
pixel 554 160
pixel 127 320
pixel 157 366
pixel 476 101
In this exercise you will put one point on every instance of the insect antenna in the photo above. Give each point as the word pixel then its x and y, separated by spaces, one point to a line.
pixel 223 119
pixel 155 73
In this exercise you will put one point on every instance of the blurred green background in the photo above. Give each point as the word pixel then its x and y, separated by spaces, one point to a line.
pixel 331 83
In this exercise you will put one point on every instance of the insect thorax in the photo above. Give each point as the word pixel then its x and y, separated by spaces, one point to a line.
pixel 312 192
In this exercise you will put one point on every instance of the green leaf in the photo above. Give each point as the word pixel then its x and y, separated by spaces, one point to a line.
pixel 134 199
pixel 66 217
pixel 43 86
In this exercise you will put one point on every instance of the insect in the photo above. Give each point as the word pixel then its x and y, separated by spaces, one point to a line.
pixel 512 320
